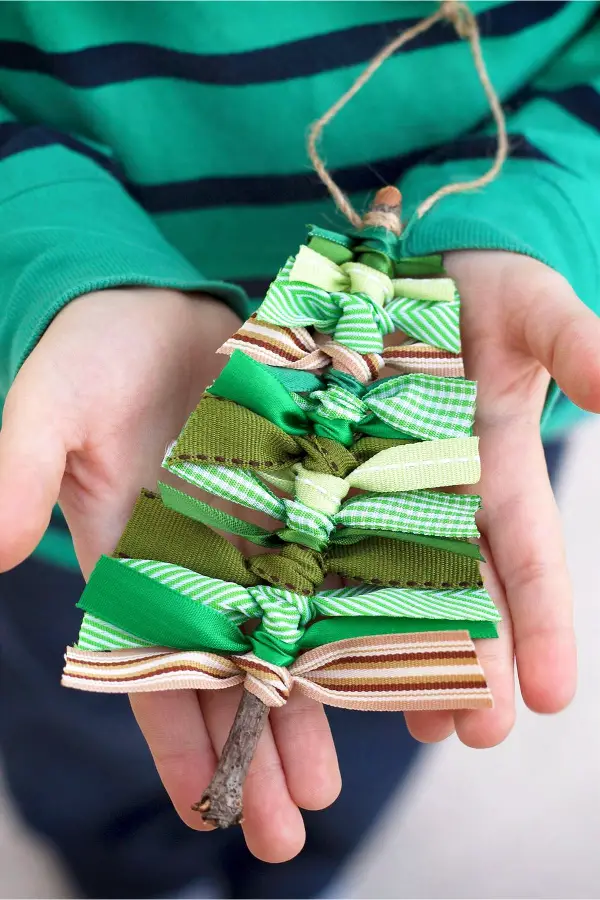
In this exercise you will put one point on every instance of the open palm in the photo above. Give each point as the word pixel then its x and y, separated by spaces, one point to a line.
pixel 111 383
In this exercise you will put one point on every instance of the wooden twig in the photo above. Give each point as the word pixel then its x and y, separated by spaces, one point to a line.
pixel 221 803
pixel 385 210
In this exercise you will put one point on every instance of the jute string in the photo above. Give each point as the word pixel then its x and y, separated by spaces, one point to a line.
pixel 466 27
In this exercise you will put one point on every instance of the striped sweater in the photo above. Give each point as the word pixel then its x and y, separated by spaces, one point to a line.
pixel 164 143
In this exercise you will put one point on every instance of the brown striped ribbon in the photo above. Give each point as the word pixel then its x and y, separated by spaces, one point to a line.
pixel 295 348
pixel 419 357
pixel 425 671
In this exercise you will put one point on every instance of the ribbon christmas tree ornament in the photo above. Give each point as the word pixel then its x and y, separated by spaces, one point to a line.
pixel 355 476
pixel 353 471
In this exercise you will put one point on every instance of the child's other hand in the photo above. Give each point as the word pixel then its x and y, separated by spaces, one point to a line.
pixel 520 321
pixel 86 422
pixel 113 380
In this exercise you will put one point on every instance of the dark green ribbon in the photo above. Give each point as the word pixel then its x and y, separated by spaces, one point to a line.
pixel 156 532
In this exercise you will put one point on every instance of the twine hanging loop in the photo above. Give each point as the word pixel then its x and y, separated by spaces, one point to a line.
pixel 465 24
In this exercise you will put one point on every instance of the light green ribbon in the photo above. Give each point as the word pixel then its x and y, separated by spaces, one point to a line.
pixel 316 512
pixel 354 303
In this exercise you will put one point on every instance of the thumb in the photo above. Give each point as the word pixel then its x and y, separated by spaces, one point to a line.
pixel 564 336
pixel 32 463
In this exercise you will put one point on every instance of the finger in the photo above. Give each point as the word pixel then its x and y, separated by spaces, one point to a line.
pixel 522 524
pixel 273 826
pixel 32 462
pixel 307 752
pixel 483 728
pixel 564 335
pixel 430 727
pixel 171 722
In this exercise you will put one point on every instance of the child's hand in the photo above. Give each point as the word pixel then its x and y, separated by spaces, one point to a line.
pixel 87 421
pixel 112 381
pixel 520 320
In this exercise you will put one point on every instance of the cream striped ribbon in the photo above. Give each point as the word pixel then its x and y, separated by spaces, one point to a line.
pixel 434 670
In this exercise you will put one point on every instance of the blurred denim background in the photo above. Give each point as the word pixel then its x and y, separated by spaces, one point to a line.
pixel 519 821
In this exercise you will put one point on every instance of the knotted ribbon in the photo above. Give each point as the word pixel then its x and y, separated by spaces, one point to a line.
pixel 424 407
pixel 316 514
pixel 295 348
pixel 179 536
pixel 360 320
pixel 417 406
pixel 436 670
pixel 183 608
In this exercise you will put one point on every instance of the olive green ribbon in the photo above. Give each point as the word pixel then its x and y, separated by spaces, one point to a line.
pixel 157 532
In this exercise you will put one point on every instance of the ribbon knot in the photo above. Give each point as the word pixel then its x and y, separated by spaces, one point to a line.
pixel 298 568
pixel 362 323
pixel 424 407
pixel 310 290
pixel 270 683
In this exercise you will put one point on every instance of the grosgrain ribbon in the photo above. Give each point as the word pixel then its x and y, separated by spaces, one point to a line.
pixel 435 670
pixel 158 532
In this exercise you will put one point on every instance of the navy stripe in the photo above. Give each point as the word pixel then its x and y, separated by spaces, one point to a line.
pixel 16 138
pixel 256 288
pixel 484 147
pixel 581 100
pixel 58 522
pixel 263 190
pixel 120 62
pixel 268 190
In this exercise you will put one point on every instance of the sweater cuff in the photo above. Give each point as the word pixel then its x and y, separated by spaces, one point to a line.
pixel 78 233
pixel 534 208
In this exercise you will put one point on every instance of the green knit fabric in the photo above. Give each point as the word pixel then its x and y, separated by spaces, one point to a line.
pixel 183 167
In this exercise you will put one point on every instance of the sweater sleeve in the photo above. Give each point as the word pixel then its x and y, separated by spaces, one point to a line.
pixel 68 226
pixel 546 201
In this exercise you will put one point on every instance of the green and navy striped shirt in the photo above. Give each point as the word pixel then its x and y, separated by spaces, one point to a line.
pixel 164 143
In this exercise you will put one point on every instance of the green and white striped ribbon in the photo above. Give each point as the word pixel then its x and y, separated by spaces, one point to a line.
pixel 95 634
pixel 428 407
pixel 433 323
pixel 285 614
pixel 356 320
pixel 420 512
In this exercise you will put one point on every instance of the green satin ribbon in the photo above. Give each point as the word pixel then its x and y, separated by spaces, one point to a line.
pixel 423 407
pixel 164 617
